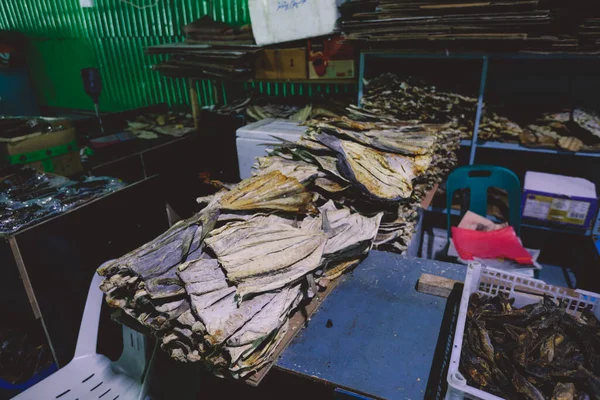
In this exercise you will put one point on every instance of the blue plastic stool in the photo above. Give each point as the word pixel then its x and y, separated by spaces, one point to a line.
pixel 479 178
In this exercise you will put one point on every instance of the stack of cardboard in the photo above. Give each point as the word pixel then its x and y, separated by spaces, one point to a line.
pixel 212 50
pixel 527 25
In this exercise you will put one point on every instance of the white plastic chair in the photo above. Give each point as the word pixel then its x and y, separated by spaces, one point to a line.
pixel 93 376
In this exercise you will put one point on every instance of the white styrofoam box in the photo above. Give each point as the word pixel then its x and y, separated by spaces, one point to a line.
pixel 253 140
pixel 490 282
pixel 559 199
pixel 277 21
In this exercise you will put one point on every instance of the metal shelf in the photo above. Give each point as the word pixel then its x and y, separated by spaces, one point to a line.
pixel 519 147
pixel 485 58
pixel 454 212
pixel 479 55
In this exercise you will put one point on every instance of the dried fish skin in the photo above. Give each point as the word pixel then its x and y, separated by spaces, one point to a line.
pixel 272 191
pixel 166 285
pixel 407 140
pixel 301 171
pixel 385 176
pixel 252 248
pixel 283 277
pixel 202 276
pixel 224 318
pixel 346 231
pixel 269 319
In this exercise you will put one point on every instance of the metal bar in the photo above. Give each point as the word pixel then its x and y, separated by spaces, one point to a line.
pixel 14 247
pixel 484 70
pixel 361 76
pixel 518 147
pixel 194 102
pixel 448 55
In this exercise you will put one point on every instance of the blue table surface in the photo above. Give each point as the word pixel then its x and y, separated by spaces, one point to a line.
pixel 384 332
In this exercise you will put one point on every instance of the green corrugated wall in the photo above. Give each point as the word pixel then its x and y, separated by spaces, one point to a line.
pixel 112 36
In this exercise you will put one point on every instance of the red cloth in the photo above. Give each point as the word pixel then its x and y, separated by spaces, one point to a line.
pixel 502 243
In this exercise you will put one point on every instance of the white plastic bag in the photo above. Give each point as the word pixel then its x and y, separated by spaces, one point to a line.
pixel 276 21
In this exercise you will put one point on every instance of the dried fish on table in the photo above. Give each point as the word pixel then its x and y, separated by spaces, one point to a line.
pixel 220 287
pixel 152 126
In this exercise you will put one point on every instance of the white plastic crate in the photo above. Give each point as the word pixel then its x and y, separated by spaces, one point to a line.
pixel 490 282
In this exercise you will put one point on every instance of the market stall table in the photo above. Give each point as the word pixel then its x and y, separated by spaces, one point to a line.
pixel 375 334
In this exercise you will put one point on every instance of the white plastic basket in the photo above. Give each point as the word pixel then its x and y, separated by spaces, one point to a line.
pixel 490 282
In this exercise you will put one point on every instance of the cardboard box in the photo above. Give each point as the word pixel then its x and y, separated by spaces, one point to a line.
pixel 281 64
pixel 55 152
pixel 557 199
pixel 331 58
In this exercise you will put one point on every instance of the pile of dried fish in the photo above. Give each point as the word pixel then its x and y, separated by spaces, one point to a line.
pixel 536 352
pixel 221 286
pixel 415 100
pixel 152 126
pixel 571 130
pixel 410 99
pixel 300 110
pixel 370 162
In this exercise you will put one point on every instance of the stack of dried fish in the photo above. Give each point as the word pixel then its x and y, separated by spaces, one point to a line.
pixel 575 130
pixel 415 100
pixel 257 109
pixel 221 286
pixel 371 162
pixel 409 99
pixel 212 50
pixel 152 126
pixel 536 352
pixel 525 25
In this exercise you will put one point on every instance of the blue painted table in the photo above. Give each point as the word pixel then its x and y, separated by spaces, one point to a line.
pixel 382 332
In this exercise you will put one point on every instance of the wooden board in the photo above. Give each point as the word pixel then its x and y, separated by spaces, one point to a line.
pixel 297 322
pixel 435 285
pixel 426 202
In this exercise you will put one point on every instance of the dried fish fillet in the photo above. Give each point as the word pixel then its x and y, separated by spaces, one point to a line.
pixel 202 276
pixel 385 176
pixel 272 191
pixel 408 140
pixel 252 248
pixel 224 318
pixel 301 171
pixel 269 319
pixel 282 277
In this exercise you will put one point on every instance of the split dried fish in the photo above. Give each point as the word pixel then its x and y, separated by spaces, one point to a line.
pixel 534 352
pixel 220 287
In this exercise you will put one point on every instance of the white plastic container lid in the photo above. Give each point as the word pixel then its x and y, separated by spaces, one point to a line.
pixel 268 128
pixel 559 184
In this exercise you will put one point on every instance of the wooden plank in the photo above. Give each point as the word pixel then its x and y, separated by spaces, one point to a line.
pixel 14 246
pixel 298 321
pixel 436 285
pixel 426 202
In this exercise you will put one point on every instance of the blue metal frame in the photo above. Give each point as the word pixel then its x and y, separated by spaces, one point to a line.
pixel 518 147
pixel 485 57
pixel 484 71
